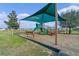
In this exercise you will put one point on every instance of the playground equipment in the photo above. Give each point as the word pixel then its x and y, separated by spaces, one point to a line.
pixel 46 14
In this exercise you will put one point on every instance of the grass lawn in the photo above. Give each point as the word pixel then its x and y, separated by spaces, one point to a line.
pixel 75 32
pixel 14 45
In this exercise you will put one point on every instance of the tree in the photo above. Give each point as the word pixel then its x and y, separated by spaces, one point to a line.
pixel 71 19
pixel 12 23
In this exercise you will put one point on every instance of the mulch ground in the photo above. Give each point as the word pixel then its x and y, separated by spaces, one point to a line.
pixel 67 43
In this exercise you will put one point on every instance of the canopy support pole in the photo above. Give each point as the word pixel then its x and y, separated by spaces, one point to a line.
pixel 42 23
pixel 56 28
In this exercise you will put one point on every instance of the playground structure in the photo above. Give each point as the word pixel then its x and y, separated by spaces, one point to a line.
pixel 44 15
pixel 65 42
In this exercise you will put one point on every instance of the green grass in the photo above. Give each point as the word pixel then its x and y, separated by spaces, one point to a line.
pixel 75 32
pixel 15 45
pixel 6 39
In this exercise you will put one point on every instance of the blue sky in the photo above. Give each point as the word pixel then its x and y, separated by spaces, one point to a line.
pixel 23 10
pixel 29 8
pixel 63 5
pixel 21 7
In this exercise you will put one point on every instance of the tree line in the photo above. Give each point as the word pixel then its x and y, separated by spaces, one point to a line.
pixel 71 19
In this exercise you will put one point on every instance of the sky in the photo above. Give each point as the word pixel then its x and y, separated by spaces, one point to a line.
pixel 20 7
pixel 22 10
pixel 25 9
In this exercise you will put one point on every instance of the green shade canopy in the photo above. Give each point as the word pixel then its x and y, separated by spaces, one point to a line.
pixel 44 15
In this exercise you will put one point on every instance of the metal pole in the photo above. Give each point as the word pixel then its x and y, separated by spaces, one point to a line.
pixel 42 23
pixel 56 19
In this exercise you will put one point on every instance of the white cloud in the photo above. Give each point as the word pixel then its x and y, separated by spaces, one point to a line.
pixel 23 15
pixel 67 9
pixel 51 24
pixel 3 16
pixel 27 25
